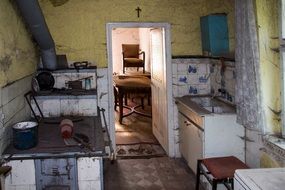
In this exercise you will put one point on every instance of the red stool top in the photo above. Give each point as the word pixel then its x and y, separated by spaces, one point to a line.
pixel 223 167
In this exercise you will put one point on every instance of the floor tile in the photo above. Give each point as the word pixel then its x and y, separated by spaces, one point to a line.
pixel 155 173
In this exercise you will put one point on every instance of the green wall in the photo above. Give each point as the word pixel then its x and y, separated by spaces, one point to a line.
pixel 17 52
pixel 78 27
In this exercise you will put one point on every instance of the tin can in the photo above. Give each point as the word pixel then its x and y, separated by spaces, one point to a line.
pixel 88 84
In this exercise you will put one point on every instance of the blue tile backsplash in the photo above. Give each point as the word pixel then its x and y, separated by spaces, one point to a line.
pixel 193 76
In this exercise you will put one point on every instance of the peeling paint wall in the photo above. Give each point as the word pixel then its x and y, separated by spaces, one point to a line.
pixel 268 31
pixel 17 52
pixel 268 161
pixel 18 60
pixel 267 12
pixel 78 27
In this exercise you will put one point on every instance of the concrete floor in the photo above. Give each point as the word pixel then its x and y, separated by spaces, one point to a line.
pixel 150 174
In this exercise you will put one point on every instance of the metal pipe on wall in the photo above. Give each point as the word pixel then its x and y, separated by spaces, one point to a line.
pixel 33 17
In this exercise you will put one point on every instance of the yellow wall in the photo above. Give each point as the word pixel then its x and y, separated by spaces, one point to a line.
pixel 17 52
pixel 267 161
pixel 78 27
pixel 268 30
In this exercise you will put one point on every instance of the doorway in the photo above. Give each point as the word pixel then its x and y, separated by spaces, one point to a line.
pixel 160 74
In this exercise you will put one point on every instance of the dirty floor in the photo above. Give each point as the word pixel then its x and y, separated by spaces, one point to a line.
pixel 134 137
pixel 150 174
pixel 149 168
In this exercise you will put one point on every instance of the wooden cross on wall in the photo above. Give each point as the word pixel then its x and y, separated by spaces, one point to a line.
pixel 138 9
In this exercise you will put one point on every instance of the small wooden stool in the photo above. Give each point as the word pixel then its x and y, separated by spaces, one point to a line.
pixel 219 170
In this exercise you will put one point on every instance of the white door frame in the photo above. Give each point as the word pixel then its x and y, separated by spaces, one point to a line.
pixel 166 26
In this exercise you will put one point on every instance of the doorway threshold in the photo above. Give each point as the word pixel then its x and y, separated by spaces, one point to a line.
pixel 139 151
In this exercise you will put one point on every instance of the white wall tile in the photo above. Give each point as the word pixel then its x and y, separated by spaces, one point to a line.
pixel 193 79
pixel 89 185
pixel 62 79
pixel 182 79
pixel 22 173
pixel 183 90
pixel 69 106
pixel 89 169
pixel 182 69
pixel 103 96
pixel 203 89
pixel 174 69
pixel 174 90
pixel 87 107
pixel 36 110
pixel 93 81
pixel 51 108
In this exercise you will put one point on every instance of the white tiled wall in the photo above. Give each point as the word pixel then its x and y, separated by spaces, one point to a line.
pixel 193 76
pixel 55 106
pixel 23 176
pixel 103 92
pixel 189 77
pixel 66 105
pixel 223 80
pixel 61 78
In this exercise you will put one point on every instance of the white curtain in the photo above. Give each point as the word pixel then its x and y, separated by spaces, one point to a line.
pixel 248 93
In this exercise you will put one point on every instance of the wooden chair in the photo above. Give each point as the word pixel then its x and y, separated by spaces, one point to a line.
pixel 131 56
pixel 219 170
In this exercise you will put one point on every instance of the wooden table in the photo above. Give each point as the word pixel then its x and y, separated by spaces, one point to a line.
pixel 130 85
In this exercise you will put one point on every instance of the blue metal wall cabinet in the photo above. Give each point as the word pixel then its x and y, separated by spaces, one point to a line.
pixel 214 33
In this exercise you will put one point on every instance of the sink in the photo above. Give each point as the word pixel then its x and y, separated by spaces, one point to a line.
pixel 205 101
pixel 213 105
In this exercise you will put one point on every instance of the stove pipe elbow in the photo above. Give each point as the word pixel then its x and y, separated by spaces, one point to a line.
pixel 34 19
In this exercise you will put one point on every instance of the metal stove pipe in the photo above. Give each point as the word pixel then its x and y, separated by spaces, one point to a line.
pixel 34 18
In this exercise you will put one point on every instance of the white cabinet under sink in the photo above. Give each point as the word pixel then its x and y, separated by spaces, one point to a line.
pixel 205 134
pixel 191 141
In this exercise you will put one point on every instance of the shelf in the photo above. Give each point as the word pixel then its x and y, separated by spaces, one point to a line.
pixel 67 93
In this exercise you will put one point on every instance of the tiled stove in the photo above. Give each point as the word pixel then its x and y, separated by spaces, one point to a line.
pixel 69 102
pixel 74 169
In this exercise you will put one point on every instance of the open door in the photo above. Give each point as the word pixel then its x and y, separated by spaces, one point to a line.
pixel 158 86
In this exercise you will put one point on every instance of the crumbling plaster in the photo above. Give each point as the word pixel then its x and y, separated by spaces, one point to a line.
pixel 18 57
pixel 79 27
pixel 268 33
pixel 267 12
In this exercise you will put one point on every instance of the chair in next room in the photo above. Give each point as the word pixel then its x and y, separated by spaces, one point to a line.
pixel 131 56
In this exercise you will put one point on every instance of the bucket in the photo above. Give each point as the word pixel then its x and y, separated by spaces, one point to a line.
pixel 25 135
